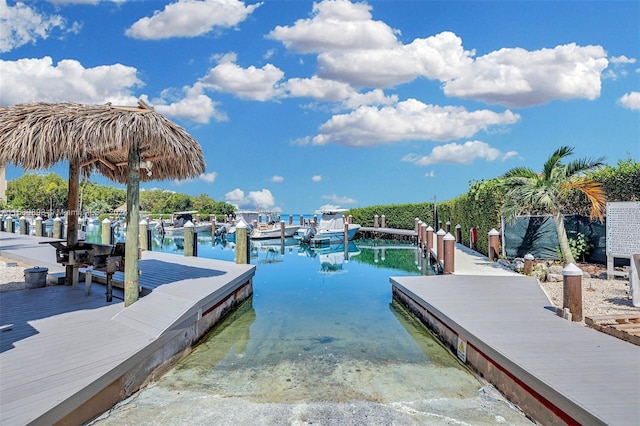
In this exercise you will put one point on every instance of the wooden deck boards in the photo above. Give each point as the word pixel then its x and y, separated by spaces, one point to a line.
pixel 509 319
pixel 62 345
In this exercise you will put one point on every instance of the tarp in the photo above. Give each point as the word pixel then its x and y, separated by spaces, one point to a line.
pixel 537 235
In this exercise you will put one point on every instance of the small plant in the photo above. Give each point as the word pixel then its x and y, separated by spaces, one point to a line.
pixel 579 246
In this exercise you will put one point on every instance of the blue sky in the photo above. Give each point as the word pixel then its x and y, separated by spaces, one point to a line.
pixel 299 105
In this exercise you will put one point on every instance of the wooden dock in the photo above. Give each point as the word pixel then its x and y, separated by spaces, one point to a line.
pixel 392 233
pixel 67 357
pixel 504 327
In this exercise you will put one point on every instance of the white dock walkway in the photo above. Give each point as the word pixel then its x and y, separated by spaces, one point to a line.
pixel 554 369
pixel 66 357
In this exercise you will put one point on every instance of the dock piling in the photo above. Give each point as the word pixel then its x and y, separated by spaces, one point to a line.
pixel 449 253
pixel 572 291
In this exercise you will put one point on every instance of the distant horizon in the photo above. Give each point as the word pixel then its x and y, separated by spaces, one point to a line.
pixel 300 105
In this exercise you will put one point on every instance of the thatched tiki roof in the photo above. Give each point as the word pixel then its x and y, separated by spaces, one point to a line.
pixel 39 135
pixel 125 144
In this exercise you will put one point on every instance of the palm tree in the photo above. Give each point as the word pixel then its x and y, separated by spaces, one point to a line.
pixel 527 190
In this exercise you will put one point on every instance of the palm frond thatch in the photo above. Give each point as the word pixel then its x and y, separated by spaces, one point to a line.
pixel 39 135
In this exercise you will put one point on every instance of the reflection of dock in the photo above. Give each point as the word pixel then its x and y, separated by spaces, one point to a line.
pixel 66 357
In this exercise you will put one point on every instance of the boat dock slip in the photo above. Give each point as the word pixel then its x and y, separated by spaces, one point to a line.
pixel 557 371
pixel 67 357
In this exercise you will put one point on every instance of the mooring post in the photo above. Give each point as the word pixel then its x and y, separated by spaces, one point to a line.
pixel 242 243
pixel 38 225
pixel 301 220
pixel 449 253
pixel 416 225
pixel 528 263
pixel 23 225
pixel 448 226
pixel 383 221
pixel 440 244
pixel 572 291
pixel 494 244
pixel 423 235
pixel 57 228
pixel 144 226
pixel 346 234
pixel 106 231
pixel 189 229
pixel 375 221
pixel 282 230
pixel 290 219
pixel 458 234
pixel 429 231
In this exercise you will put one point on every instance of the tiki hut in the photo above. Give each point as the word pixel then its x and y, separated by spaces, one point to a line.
pixel 125 144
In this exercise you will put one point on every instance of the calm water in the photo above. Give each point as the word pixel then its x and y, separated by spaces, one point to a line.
pixel 320 342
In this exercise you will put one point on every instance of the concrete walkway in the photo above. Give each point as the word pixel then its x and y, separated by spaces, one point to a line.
pixel 503 326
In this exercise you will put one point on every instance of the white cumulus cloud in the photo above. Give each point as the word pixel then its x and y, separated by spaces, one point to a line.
pixel 454 153
pixel 22 24
pixel 408 120
pixel 335 25
pixel 630 100
pixel 33 79
pixel 316 178
pixel 516 77
pixel 339 199
pixel 194 106
pixel 190 18
pixel 277 179
pixel 259 84
pixel 262 199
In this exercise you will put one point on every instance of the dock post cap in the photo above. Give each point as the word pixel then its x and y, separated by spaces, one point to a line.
pixel 58 219
pixel 529 256
pixel 144 222
pixel 106 220
pixel 458 226
pixel 429 229
pixel 241 223
pixel 493 232
pixel 449 237
pixel 440 232
pixel 571 270
pixel 188 224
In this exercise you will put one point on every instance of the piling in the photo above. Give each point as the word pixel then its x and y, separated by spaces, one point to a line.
pixel 106 231
pixel 429 231
pixel 572 291
pixel 528 263
pixel 375 221
pixel 494 244
pixel 188 238
pixel 38 225
pixel 242 243
pixel 290 219
pixel 423 236
pixel 9 226
pixel 383 220
pixel 458 234
pixel 440 244
pixel 144 227
pixel 449 253
pixel 448 227
pixel 57 228
pixel 24 226
pixel 346 234
pixel 282 230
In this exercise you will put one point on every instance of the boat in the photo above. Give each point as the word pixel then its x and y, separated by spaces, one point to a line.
pixel 258 229
pixel 177 227
pixel 329 230
pixel 272 228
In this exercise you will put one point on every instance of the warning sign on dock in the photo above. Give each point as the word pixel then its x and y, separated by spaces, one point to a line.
pixel 462 349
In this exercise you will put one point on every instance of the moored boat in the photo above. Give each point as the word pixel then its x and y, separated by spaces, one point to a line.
pixel 331 229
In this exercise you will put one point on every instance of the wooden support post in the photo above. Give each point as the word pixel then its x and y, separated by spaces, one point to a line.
pixel 423 236
pixel 88 278
pixel 528 263
pixel 144 226
pixel 447 227
pixel 346 233
pixel 71 277
pixel 131 291
pixel 189 229
pixel 440 244
pixel 282 230
pixel 429 231
pixel 301 220
pixel 449 253
pixel 494 244
pixel 38 225
pixel 105 230
pixel 383 221
pixel 416 225
pixel 242 240
pixel 375 221
pixel 458 234
pixel 572 291
pixel 290 219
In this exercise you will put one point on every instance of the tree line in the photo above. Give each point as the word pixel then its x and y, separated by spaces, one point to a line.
pixel 49 192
